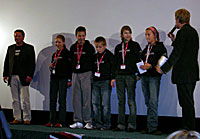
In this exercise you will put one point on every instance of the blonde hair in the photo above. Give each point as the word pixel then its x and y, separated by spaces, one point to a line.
pixel 184 134
pixel 183 15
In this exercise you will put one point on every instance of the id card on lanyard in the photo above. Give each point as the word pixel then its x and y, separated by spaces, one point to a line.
pixel 79 56
pixel 148 53
pixel 56 60
pixel 98 74
pixel 123 66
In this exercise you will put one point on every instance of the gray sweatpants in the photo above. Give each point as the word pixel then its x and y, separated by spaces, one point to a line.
pixel 81 96
pixel 20 94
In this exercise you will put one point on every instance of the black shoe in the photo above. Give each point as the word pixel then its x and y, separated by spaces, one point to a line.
pixel 117 129
pixel 155 132
pixel 144 131
pixel 105 128
pixel 130 129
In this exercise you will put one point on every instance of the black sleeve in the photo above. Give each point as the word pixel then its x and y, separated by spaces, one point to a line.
pixel 112 62
pixel 162 52
pixel 31 61
pixel 72 57
pixel 115 60
pixel 179 45
pixel 142 56
pixel 69 63
pixel 94 65
pixel 6 65
pixel 138 51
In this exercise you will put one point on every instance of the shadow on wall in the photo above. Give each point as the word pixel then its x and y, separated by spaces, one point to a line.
pixel 168 96
pixel 41 78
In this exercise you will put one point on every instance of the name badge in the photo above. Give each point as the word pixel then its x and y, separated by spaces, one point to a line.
pixel 53 71
pixel 97 74
pixel 78 66
pixel 123 67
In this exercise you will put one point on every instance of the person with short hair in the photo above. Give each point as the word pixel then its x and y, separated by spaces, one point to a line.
pixel 60 79
pixel 101 88
pixel 82 52
pixel 150 80
pixel 184 63
pixel 127 54
pixel 19 66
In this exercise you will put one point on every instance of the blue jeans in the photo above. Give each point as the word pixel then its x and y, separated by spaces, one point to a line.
pixel 150 88
pixel 101 92
pixel 126 82
pixel 58 86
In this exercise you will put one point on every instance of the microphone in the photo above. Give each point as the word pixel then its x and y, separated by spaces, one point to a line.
pixel 171 32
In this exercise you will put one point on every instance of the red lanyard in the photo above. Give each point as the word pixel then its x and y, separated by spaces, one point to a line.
pixel 56 57
pixel 148 53
pixel 124 51
pixel 99 62
pixel 79 52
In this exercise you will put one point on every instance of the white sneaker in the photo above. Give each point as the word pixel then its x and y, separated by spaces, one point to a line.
pixel 88 126
pixel 76 125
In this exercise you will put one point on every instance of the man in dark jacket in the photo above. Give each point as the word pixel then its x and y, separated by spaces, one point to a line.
pixel 19 66
pixel 184 60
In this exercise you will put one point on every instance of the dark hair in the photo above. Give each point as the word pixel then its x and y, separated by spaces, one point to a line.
pixel 20 30
pixel 80 29
pixel 100 39
pixel 61 37
pixel 125 28
pixel 155 32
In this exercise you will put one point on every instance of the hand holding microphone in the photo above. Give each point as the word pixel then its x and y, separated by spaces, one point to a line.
pixel 171 35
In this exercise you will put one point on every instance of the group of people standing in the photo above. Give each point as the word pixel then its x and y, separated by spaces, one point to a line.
pixel 92 76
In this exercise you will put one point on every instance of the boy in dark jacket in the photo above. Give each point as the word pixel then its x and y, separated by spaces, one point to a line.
pixel 82 52
pixel 101 91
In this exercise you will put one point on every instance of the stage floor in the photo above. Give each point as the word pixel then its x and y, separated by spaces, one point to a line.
pixel 42 132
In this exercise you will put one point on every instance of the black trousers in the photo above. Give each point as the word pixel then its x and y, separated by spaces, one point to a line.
pixel 58 89
pixel 186 101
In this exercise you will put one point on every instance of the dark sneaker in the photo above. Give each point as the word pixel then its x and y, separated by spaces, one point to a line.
pixel 155 132
pixel 130 129
pixel 144 131
pixel 118 129
pixel 105 128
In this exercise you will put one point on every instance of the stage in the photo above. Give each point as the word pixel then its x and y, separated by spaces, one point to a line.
pixel 42 132
pixel 37 130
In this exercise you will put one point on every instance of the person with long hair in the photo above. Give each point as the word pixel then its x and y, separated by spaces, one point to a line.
pixel 150 80
pixel 127 54
pixel 60 68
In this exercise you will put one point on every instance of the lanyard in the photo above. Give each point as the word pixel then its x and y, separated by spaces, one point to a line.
pixel 56 57
pixel 148 52
pixel 79 53
pixel 124 51
pixel 99 62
